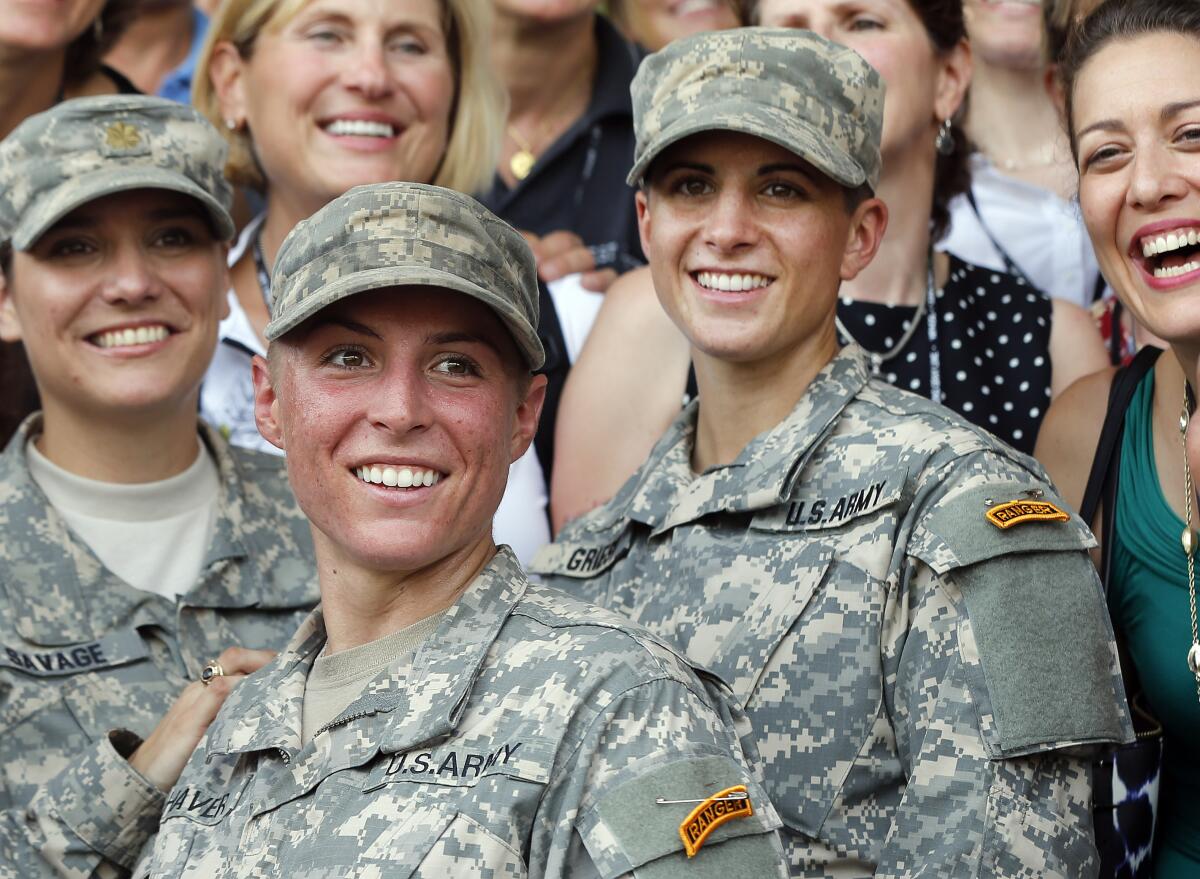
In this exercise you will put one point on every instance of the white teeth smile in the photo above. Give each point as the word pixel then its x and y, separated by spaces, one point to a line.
pixel 130 336
pixel 731 283
pixel 360 128
pixel 397 477
pixel 1158 245
pixel 1176 271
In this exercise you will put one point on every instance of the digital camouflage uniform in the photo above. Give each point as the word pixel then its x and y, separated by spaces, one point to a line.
pixel 82 653
pixel 531 738
pixel 924 683
pixel 918 679
pixel 532 735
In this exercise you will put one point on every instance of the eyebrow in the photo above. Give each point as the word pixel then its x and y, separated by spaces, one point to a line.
pixel 793 167
pixel 451 337
pixel 352 326
pixel 1167 113
pixel 89 221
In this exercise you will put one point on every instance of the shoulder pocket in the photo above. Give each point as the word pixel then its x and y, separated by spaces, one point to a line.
pixel 628 829
pixel 1035 638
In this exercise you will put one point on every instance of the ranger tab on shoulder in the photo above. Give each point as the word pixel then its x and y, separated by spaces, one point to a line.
pixel 721 808
pixel 1020 512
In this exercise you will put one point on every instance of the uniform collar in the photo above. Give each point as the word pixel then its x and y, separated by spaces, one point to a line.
pixel 61 593
pixel 763 475
pixel 422 706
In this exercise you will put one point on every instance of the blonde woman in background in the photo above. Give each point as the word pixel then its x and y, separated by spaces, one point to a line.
pixel 317 96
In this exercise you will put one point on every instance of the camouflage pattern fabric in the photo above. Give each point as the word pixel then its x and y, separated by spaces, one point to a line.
pixel 817 99
pixel 87 148
pixel 838 575
pixel 531 737
pixel 407 234
pixel 83 653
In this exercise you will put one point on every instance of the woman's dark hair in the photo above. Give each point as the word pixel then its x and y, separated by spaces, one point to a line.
pixel 86 50
pixel 1116 20
pixel 943 21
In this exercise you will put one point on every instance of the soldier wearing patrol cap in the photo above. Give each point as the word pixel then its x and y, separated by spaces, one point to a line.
pixel 136 546
pixel 899 601
pixel 439 715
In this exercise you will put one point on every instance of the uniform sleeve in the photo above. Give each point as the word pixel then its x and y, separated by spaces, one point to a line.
pixel 1002 683
pixel 90 820
pixel 657 740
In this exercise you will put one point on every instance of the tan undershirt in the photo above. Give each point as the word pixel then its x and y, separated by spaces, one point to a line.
pixel 337 680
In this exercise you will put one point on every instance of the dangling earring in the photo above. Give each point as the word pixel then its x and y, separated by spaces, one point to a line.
pixel 944 142
pixel 98 29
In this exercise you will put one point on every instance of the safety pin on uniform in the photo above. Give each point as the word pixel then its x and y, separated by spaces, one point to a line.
pixel 734 797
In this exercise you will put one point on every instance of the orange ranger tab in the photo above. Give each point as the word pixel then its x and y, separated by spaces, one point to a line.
pixel 721 807
pixel 1007 515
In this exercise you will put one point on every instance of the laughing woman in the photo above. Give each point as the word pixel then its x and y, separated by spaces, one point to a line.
pixel 135 544
pixel 1132 79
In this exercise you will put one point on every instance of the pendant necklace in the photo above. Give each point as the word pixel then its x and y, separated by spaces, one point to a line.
pixel 1188 541
pixel 925 309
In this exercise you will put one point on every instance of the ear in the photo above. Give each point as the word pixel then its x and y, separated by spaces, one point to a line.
pixel 867 225
pixel 529 412
pixel 266 403
pixel 10 324
pixel 226 283
pixel 1054 88
pixel 226 71
pixel 954 78
pixel 643 218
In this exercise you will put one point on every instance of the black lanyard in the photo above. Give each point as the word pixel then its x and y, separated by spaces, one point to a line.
pixel 260 265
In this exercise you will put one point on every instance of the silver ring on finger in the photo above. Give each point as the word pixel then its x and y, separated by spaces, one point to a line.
pixel 210 671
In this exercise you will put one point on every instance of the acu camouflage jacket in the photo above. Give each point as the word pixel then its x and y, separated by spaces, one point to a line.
pixel 83 653
pixel 921 681
pixel 531 736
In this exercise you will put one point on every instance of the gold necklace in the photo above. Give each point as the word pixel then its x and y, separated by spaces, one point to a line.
pixel 523 159
pixel 1189 543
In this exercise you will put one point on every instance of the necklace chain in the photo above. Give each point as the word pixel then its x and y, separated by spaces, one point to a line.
pixel 1189 543
pixel 522 161
pixel 926 307
pixel 260 266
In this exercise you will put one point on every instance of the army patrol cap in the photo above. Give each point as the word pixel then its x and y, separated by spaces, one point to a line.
pixel 407 235
pixel 84 149
pixel 817 99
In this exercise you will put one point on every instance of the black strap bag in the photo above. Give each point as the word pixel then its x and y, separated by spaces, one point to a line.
pixel 1125 782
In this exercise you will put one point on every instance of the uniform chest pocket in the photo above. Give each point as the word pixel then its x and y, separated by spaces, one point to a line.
pixel 819 685
pixel 481 795
pixel 56 702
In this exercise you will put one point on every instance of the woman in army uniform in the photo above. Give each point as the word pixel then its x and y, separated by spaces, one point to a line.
pixel 135 545
pixel 886 588
pixel 440 715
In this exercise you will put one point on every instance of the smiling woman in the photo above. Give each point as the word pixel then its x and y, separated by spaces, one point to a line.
pixel 315 97
pixel 124 522
pixel 447 716
pixel 1132 79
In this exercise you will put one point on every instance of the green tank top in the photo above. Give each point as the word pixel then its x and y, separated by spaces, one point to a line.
pixel 1148 599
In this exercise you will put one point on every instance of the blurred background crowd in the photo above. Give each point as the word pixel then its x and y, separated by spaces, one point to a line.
pixel 987 294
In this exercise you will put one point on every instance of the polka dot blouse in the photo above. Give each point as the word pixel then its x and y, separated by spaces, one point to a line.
pixel 993 338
